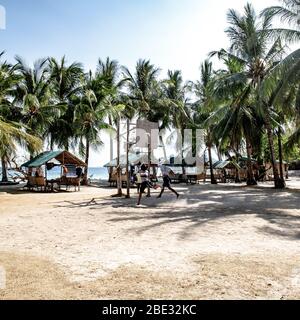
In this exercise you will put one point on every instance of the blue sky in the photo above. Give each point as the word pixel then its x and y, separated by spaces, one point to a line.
pixel 173 34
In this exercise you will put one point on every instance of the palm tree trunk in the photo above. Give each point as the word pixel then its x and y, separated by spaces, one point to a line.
pixel 250 179
pixel 4 170
pixel 182 155
pixel 237 177
pixel 111 146
pixel 87 157
pixel 280 155
pixel 212 176
pixel 279 184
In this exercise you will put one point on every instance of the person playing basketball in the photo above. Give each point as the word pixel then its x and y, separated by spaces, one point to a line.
pixel 166 171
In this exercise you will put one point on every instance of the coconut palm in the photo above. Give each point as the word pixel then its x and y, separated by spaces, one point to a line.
pixel 288 70
pixel 12 135
pixel 110 83
pixel 174 101
pixel 250 46
pixel 289 15
pixel 66 84
pixel 33 96
pixel 175 109
pixel 94 110
pixel 142 87
pixel 205 106
pixel 88 122
pixel 8 81
pixel 236 124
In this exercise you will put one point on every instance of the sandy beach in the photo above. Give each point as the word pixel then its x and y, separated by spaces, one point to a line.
pixel 214 242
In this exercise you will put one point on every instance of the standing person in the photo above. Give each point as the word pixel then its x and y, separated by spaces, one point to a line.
pixel 138 181
pixel 166 171
pixel 145 182
pixel 137 178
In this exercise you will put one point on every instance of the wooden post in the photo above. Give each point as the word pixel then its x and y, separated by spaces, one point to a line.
pixel 119 178
pixel 127 159
pixel 111 142
pixel 149 167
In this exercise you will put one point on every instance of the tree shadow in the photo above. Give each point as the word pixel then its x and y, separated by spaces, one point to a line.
pixel 202 205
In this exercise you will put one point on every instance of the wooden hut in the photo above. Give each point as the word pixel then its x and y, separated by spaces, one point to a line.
pixel 226 170
pixel 38 167
pixel 135 160
pixel 270 173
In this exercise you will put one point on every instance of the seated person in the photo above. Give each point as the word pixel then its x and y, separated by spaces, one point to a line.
pixel 39 173
pixel 65 170
pixel 79 172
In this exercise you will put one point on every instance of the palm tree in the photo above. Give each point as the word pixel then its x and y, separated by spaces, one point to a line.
pixel 204 107
pixel 66 85
pixel 88 122
pixel 288 70
pixel 13 134
pixel 8 81
pixel 110 84
pixel 289 14
pixel 8 130
pixel 175 109
pixel 143 86
pixel 236 124
pixel 249 38
pixel 94 109
pixel 33 96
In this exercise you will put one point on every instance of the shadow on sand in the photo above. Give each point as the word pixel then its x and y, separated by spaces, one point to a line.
pixel 199 205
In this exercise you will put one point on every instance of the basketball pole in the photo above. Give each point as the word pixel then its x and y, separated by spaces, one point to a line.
pixel 127 159
pixel 149 166
pixel 119 170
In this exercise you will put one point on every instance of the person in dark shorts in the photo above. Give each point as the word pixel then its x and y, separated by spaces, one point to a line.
pixel 165 171
pixel 145 182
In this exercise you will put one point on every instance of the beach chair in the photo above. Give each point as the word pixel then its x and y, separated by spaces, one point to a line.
pixel 38 183
pixel 70 181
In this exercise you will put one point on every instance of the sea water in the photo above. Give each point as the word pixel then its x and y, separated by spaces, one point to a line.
pixel 93 173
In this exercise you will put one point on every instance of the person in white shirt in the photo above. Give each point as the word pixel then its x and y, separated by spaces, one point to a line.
pixel 166 171
pixel 145 181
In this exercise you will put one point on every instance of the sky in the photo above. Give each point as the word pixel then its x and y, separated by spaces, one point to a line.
pixel 173 34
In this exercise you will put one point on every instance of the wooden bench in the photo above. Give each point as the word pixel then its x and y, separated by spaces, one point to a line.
pixel 38 183
pixel 196 178
pixel 70 181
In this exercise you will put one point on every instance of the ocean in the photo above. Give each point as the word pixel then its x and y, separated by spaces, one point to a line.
pixel 94 173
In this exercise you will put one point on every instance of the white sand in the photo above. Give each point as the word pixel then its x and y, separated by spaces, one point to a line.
pixel 89 240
